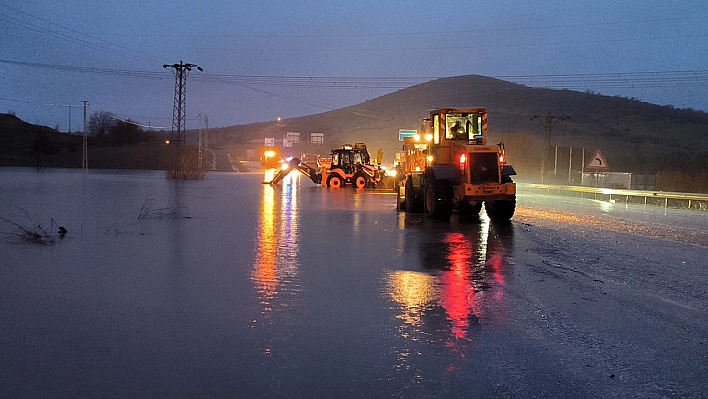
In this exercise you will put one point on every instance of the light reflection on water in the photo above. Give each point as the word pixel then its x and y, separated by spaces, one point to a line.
pixel 462 280
pixel 276 260
pixel 248 289
pixel 453 286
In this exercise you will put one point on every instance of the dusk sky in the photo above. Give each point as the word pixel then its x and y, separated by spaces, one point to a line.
pixel 275 58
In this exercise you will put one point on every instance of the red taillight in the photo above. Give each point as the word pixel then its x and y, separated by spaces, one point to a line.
pixel 502 159
pixel 463 161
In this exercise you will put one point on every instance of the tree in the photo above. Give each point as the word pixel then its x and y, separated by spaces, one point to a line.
pixel 100 124
pixel 125 132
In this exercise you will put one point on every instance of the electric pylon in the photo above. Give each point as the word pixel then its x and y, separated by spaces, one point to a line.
pixel 177 135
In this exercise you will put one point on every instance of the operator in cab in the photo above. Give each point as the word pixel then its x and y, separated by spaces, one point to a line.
pixel 458 131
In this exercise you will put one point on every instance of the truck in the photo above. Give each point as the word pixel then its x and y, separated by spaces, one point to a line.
pixel 410 163
pixel 270 158
pixel 347 166
pixel 450 166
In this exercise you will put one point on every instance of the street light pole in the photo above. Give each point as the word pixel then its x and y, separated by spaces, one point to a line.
pixel 177 135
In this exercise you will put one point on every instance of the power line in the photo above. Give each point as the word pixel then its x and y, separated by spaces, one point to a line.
pixel 97 43
pixel 125 119
pixel 112 115
pixel 251 88
pixel 94 70
pixel 687 78
pixel 698 78
pixel 444 32
pixel 266 83
pixel 14 101
pixel 447 46
pixel 56 34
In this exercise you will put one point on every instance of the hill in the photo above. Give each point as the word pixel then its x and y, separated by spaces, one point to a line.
pixel 23 144
pixel 634 136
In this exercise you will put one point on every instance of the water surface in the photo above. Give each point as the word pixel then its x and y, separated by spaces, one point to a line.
pixel 230 288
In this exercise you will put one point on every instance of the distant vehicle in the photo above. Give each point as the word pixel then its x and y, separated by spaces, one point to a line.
pixel 347 166
pixel 351 165
pixel 451 166
pixel 270 158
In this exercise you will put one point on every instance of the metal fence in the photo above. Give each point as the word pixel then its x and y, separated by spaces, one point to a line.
pixel 653 198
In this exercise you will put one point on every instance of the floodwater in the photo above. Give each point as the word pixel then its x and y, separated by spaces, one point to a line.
pixel 230 288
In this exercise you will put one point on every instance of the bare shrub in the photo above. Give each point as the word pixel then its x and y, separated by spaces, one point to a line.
pixel 33 232
pixel 150 211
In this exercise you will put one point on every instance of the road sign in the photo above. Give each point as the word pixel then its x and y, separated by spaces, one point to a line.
pixel 597 162
pixel 403 133
pixel 269 142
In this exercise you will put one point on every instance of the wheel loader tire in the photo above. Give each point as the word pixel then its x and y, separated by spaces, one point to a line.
pixel 500 210
pixel 414 203
pixel 359 181
pixel 400 204
pixel 438 200
pixel 335 181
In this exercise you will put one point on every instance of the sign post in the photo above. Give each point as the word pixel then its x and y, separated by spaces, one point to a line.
pixel 404 133
pixel 597 162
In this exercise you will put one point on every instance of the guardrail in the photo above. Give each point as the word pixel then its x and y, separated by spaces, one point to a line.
pixel 654 198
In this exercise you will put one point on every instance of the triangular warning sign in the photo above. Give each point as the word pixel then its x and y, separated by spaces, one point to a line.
pixel 597 161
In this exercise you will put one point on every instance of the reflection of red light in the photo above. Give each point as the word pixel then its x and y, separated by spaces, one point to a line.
pixel 495 264
pixel 456 297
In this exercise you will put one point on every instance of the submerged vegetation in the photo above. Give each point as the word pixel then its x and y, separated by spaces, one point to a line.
pixel 32 232
pixel 151 210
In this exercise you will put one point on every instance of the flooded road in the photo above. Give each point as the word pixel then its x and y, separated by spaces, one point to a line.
pixel 230 288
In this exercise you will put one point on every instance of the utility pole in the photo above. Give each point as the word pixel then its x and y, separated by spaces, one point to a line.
pixel 177 135
pixel 201 133
pixel 84 160
pixel 548 122
pixel 206 132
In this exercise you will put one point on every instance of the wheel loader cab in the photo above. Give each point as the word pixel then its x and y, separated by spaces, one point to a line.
pixel 357 159
pixel 467 127
pixel 453 129
pixel 350 158
pixel 342 160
